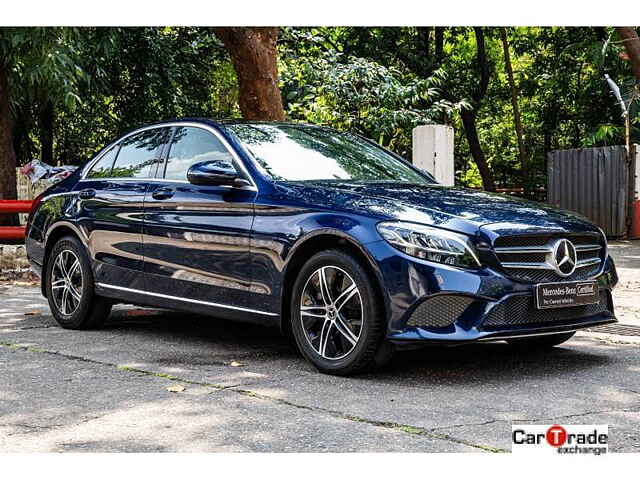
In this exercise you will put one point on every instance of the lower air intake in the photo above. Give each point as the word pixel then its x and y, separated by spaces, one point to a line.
pixel 520 310
pixel 439 311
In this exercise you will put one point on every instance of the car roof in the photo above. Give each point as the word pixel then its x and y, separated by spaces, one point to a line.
pixel 264 122
pixel 229 121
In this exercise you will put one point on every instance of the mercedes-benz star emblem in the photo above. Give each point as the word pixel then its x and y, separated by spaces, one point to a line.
pixel 564 257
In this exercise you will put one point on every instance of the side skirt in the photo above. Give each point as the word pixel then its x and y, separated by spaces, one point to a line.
pixel 151 299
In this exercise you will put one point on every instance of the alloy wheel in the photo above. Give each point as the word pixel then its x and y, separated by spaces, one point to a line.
pixel 66 282
pixel 331 312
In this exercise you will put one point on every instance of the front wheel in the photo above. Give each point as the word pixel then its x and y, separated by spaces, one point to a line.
pixel 542 342
pixel 70 287
pixel 337 318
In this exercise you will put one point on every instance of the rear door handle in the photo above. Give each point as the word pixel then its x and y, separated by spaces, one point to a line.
pixel 163 193
pixel 87 193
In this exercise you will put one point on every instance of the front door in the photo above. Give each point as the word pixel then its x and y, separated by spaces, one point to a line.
pixel 197 238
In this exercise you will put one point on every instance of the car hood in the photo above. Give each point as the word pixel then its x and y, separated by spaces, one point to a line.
pixel 454 208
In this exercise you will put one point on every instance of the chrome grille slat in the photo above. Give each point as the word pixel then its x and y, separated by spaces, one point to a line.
pixel 522 250
pixel 585 248
pixel 528 258
pixel 537 266
pixel 588 262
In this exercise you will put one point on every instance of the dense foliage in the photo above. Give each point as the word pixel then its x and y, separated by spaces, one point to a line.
pixel 74 89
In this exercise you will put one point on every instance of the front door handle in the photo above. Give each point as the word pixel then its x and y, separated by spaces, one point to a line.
pixel 163 193
pixel 87 193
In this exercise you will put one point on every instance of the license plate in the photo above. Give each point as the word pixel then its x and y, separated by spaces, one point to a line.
pixel 566 294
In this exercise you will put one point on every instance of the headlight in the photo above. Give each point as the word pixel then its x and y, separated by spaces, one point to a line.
pixel 430 243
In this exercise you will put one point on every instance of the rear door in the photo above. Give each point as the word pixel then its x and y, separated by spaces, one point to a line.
pixel 197 238
pixel 111 200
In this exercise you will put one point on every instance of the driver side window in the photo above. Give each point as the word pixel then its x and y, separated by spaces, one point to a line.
pixel 192 145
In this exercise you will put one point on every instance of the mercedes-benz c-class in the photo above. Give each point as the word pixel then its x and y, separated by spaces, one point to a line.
pixel 340 243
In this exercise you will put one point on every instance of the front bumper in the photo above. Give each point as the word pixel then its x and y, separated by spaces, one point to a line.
pixel 483 305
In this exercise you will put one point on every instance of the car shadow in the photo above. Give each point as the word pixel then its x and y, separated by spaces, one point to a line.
pixel 266 348
pixel 491 362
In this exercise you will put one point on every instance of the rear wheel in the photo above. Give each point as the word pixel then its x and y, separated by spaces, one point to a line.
pixel 70 287
pixel 542 342
pixel 337 318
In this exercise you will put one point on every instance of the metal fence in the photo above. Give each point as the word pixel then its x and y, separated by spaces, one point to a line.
pixel 593 182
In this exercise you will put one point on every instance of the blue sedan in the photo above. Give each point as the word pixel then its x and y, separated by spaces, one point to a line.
pixel 324 234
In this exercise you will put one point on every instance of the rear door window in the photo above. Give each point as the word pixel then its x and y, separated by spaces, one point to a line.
pixel 193 145
pixel 102 168
pixel 139 154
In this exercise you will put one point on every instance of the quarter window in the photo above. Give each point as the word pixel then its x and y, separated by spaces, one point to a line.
pixel 193 145
pixel 102 168
pixel 140 154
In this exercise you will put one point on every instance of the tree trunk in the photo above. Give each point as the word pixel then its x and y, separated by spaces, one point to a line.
pixel 469 116
pixel 439 40
pixel 471 132
pixel 437 61
pixel 424 33
pixel 516 111
pixel 46 132
pixel 255 59
pixel 8 189
pixel 483 67
pixel 632 45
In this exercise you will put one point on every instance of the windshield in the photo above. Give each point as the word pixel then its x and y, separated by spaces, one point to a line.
pixel 299 153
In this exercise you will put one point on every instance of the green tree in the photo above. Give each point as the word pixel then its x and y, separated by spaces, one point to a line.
pixel 459 54
pixel 133 76
pixel 37 68
pixel 362 96
pixel 321 84
pixel 66 92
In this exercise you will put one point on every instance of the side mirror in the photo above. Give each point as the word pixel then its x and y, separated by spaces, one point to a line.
pixel 216 172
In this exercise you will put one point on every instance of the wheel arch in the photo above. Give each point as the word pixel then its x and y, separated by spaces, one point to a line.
pixel 315 242
pixel 55 233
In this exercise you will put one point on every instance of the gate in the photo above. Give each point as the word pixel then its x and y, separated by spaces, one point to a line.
pixel 595 183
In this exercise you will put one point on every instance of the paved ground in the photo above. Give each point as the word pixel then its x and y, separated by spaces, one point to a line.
pixel 247 389
pixel 627 294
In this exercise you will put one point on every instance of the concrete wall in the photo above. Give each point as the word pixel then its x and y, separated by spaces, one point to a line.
pixel 433 151
pixel 14 264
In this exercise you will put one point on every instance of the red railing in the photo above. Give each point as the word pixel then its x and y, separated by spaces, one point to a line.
pixel 14 206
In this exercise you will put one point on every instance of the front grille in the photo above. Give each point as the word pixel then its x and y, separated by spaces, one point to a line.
pixel 544 276
pixel 439 311
pixel 521 310
pixel 522 257
pixel 540 240
pixel 528 258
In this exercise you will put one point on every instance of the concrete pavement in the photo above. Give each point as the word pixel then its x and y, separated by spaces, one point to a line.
pixel 247 389
pixel 627 294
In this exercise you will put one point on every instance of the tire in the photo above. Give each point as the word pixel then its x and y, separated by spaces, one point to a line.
pixel 71 294
pixel 542 342
pixel 321 316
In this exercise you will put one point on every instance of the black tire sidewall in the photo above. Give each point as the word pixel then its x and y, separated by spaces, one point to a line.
pixel 362 356
pixel 80 318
